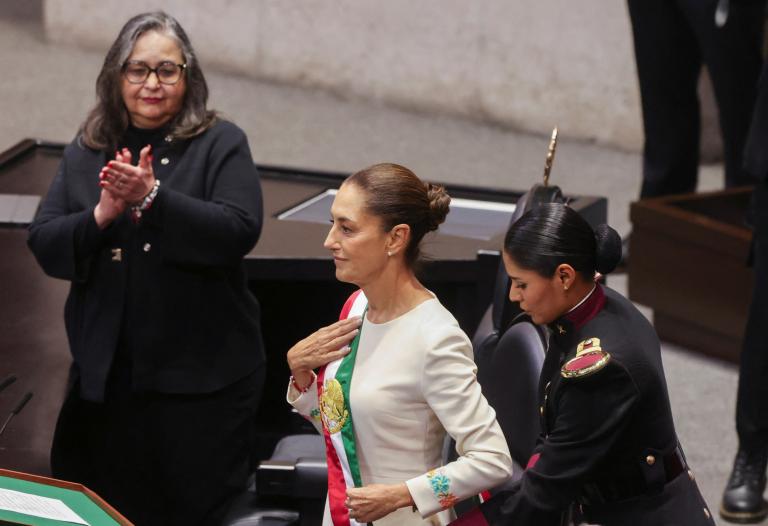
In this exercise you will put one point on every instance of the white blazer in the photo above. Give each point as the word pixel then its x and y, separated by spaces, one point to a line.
pixel 415 379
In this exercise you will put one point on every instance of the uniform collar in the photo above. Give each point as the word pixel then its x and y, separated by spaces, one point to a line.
pixel 587 308
pixel 563 327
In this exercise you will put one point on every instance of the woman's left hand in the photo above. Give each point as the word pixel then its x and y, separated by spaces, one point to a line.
pixel 126 181
pixel 373 502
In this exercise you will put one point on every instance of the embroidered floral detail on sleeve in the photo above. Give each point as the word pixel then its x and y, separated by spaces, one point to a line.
pixel 315 414
pixel 441 487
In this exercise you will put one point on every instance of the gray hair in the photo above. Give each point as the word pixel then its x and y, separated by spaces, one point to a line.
pixel 108 120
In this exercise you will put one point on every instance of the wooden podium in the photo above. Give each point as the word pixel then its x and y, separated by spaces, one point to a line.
pixel 80 499
pixel 688 261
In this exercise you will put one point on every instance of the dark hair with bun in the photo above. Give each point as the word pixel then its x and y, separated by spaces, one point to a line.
pixel 551 234
pixel 397 196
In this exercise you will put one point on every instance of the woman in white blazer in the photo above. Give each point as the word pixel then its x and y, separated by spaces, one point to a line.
pixel 396 372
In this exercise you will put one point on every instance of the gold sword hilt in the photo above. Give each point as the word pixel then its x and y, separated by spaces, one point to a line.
pixel 550 156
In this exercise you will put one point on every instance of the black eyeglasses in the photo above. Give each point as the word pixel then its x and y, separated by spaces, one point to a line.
pixel 137 72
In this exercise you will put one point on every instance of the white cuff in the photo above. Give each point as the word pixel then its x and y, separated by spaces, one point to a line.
pixel 431 492
pixel 299 398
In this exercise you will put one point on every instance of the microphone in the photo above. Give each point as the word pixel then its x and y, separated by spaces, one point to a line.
pixel 7 381
pixel 16 410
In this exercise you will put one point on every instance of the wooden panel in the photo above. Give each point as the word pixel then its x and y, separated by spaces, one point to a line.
pixel 695 336
pixel 689 263
pixel 32 338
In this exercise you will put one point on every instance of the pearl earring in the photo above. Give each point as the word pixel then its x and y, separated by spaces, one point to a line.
pixel 389 253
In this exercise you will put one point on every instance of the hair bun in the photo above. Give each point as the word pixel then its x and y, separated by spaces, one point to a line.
pixel 439 204
pixel 608 251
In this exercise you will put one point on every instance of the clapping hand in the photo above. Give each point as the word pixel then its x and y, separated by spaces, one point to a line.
pixel 126 181
pixel 110 205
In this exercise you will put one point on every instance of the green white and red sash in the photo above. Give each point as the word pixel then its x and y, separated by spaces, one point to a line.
pixel 333 384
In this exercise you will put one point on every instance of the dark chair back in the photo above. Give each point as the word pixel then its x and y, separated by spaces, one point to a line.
pixel 509 351
pixel 508 369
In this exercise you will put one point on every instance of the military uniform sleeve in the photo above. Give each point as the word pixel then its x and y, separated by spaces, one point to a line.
pixel 450 387
pixel 224 227
pixel 591 413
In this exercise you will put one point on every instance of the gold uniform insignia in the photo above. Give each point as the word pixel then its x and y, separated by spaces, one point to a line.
pixel 588 345
pixel 332 408
pixel 590 358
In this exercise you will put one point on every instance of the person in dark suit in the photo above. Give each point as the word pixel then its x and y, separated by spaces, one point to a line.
pixel 607 452
pixel 743 496
pixel 673 38
pixel 152 209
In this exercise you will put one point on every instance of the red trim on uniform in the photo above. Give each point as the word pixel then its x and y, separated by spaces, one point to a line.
pixel 485 496
pixel 532 461
pixel 473 517
pixel 589 309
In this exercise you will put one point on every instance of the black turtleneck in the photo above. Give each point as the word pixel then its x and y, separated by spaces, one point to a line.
pixel 137 138
pixel 121 370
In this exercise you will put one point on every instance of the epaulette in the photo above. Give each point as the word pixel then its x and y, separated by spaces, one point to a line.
pixel 589 359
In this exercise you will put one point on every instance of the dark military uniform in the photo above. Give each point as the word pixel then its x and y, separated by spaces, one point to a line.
pixel 608 451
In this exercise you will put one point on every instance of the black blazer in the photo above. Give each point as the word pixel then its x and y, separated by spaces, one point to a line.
pixel 170 292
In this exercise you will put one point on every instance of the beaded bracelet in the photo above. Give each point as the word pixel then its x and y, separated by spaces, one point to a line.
pixel 136 210
pixel 300 389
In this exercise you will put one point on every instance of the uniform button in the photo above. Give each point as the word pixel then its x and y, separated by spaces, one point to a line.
pixel 706 513
pixel 690 475
pixel 164 161
pixel 650 460
pixel 541 410
pixel 147 247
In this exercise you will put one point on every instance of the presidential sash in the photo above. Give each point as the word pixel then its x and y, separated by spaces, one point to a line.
pixel 333 384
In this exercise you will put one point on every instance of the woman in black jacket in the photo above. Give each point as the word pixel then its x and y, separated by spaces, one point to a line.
pixel 607 450
pixel 154 205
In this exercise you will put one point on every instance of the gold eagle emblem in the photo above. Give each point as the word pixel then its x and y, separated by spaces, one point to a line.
pixel 332 406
